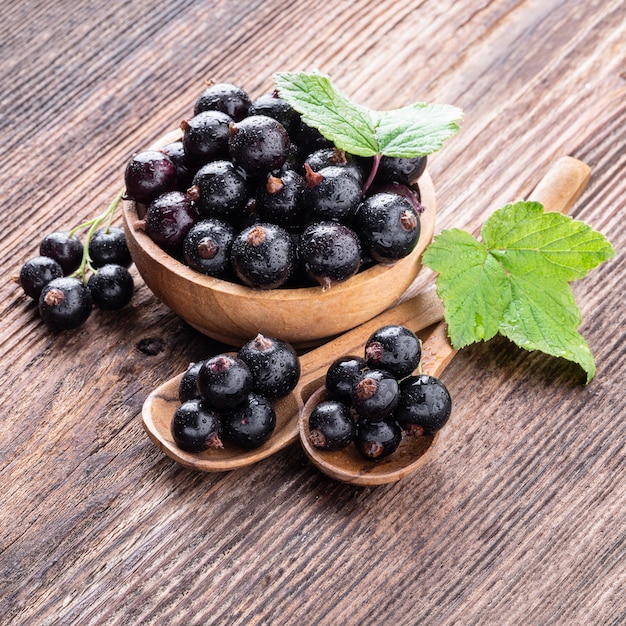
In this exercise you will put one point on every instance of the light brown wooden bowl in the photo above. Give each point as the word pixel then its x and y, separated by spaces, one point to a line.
pixel 233 313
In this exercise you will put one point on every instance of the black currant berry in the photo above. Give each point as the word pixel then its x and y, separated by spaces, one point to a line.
pixel 111 287
pixel 388 225
pixel 205 136
pixel 329 252
pixel 400 170
pixel 65 250
pixel 168 220
pixel 224 381
pixel 251 424
pixel 271 105
pixel 342 375
pixel 375 395
pixel 334 157
pixel 65 303
pixel 331 425
pixel 184 169
pixel 224 97
pixel 263 256
pixel 424 406
pixel 108 245
pixel 36 273
pixel 274 365
pixel 149 174
pixel 279 199
pixel 310 139
pixel 207 246
pixel 332 193
pixel 377 440
pixel 393 348
pixel 219 190
pixel 259 144
pixel 196 427
pixel 188 386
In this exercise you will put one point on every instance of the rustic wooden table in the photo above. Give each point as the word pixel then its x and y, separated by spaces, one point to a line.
pixel 519 518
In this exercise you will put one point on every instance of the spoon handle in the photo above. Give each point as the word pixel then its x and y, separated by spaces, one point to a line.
pixel 557 191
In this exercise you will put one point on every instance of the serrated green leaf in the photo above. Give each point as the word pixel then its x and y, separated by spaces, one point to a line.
pixel 416 130
pixel 472 284
pixel 545 317
pixel 411 131
pixel 518 279
pixel 526 239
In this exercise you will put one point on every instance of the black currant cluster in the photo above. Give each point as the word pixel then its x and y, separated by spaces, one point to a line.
pixel 69 276
pixel 373 400
pixel 228 399
pixel 252 194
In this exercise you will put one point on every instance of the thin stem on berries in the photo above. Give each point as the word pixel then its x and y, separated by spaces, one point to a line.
pixel 93 225
pixel 372 175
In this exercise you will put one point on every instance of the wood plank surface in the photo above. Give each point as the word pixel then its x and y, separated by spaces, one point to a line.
pixel 520 518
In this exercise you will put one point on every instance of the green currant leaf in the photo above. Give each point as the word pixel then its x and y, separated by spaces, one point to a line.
pixel 411 131
pixel 473 286
pixel 517 283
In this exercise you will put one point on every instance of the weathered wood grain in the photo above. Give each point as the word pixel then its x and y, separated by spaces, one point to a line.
pixel 520 517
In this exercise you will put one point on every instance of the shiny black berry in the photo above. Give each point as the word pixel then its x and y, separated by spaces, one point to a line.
pixel 342 375
pixel 224 381
pixel 108 245
pixel 424 406
pixel 388 225
pixel 375 395
pixel 65 250
pixel 259 144
pixel 111 287
pixel 188 386
pixel 309 139
pixel 219 190
pixel 184 169
pixel 263 256
pixel 331 425
pixel 279 199
pixel 196 427
pixel 205 136
pixel 65 303
pixel 251 424
pixel 224 97
pixel 274 365
pixel 332 193
pixel 334 157
pixel 149 174
pixel 377 440
pixel 401 170
pixel 271 105
pixel 207 246
pixel 168 220
pixel 395 349
pixel 36 273
pixel 329 252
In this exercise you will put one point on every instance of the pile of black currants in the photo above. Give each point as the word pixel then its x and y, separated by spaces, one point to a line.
pixel 372 401
pixel 70 276
pixel 251 194
pixel 228 399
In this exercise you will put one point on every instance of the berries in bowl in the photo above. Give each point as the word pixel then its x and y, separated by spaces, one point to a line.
pixel 251 219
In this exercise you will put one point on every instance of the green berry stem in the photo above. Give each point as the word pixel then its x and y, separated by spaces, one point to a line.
pixel 372 175
pixel 93 225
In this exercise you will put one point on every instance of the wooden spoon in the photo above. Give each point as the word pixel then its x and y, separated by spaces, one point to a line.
pixel 557 191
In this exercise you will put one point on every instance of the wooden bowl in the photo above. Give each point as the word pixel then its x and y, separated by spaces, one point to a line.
pixel 233 313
